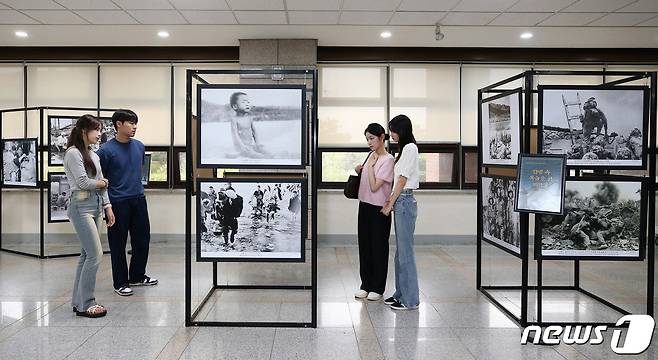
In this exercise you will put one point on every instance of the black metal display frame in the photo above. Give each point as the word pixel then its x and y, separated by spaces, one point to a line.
pixel 192 314
pixel 529 90
pixel 42 184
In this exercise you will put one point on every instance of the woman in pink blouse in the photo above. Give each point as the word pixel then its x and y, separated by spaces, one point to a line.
pixel 374 227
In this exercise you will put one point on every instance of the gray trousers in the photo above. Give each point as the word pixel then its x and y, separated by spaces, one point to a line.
pixel 85 213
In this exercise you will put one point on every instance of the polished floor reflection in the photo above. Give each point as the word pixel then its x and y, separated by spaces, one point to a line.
pixel 454 321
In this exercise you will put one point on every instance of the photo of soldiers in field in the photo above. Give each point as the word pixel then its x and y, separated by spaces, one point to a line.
pixel 500 128
pixel 500 223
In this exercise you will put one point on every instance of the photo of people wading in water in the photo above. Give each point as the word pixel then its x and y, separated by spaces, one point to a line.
pixel 251 220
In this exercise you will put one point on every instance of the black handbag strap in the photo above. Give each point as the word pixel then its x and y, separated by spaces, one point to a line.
pixel 366 160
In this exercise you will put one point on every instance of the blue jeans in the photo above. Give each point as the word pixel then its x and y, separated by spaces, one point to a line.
pixel 406 277
pixel 85 214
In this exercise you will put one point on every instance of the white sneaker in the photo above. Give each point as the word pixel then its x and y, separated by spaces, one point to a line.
pixel 361 294
pixel 373 296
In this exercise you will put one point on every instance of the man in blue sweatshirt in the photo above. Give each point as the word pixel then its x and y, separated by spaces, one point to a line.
pixel 121 160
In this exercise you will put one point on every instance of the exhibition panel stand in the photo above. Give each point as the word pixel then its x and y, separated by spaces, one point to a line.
pixel 41 151
pixel 221 136
pixel 591 157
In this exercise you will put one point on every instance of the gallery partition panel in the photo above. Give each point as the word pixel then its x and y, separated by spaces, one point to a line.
pixel 263 211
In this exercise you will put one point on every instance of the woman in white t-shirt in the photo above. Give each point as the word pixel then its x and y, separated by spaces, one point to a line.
pixel 403 203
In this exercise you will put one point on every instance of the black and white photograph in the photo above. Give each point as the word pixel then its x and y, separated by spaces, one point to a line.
pixel 59 129
pixel 251 125
pixel 500 126
pixel 501 225
pixel 19 162
pixel 595 126
pixel 602 218
pixel 59 193
pixel 249 220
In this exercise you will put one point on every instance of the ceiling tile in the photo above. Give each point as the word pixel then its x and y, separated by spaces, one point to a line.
pixel 623 19
pixel 650 22
pixel 597 5
pixel 571 19
pixel 483 6
pixel 261 17
pixel 540 5
pixel 209 17
pixel 642 6
pixel 416 18
pixel 468 18
pixel 313 5
pixel 144 4
pixel 427 5
pixel 256 5
pixel 158 17
pixel 106 17
pixel 32 4
pixel 55 17
pixel 520 19
pixel 313 17
pixel 365 17
pixel 88 4
pixel 2 7
pixel 200 4
pixel 9 17
pixel 371 5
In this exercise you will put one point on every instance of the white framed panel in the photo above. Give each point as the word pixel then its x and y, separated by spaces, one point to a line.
pixel 429 95
pixel 68 85
pixel 344 125
pixel 144 89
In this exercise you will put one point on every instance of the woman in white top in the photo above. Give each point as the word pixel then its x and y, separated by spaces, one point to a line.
pixel 403 203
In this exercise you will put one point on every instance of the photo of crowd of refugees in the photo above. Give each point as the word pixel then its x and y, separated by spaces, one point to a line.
pixel 500 130
pixel 602 218
pixel 19 162
pixel 601 127
pixel 500 223
pixel 58 197
pixel 59 130
pixel 259 126
pixel 259 220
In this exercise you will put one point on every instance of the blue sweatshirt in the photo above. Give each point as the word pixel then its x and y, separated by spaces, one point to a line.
pixel 122 166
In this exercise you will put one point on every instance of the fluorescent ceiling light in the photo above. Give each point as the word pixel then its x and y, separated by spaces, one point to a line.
pixel 163 34
pixel 21 34
pixel 385 34
pixel 526 35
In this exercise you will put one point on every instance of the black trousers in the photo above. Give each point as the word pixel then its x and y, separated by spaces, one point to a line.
pixel 132 218
pixel 374 230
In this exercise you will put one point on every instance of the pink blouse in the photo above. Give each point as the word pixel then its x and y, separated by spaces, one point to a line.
pixel 383 170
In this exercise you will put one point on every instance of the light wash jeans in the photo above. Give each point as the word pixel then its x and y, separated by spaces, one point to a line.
pixel 85 213
pixel 406 277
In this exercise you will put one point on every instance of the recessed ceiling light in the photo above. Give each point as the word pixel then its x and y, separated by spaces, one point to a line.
pixel 526 35
pixel 21 34
pixel 163 34
pixel 385 34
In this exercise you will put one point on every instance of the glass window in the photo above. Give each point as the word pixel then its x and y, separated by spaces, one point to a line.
pixel 337 164
pixel 438 165
pixel 469 167
pixel 158 171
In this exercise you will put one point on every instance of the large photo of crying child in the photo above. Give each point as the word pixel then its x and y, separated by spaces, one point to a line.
pixel 251 125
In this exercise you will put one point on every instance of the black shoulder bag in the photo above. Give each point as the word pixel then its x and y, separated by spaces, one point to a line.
pixel 351 190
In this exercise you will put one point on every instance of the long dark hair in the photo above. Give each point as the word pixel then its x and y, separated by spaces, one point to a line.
pixel 377 130
pixel 401 125
pixel 85 123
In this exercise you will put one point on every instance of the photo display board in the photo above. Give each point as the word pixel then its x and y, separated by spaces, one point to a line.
pixel 501 225
pixel 19 163
pixel 251 126
pixel 251 219
pixel 604 219
pixel 59 129
pixel 595 126
pixel 500 128
pixel 59 195
pixel 541 184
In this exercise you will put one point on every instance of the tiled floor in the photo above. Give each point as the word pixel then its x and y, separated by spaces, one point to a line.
pixel 454 320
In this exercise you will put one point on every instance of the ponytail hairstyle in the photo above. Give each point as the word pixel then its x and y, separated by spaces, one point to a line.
pixel 377 130
pixel 85 123
pixel 401 125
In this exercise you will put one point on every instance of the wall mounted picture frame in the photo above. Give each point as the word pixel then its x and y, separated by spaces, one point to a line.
pixel 252 220
pixel 595 126
pixel 500 225
pixel 20 163
pixel 499 127
pixel 59 129
pixel 604 219
pixel 251 126
pixel 540 179
pixel 59 194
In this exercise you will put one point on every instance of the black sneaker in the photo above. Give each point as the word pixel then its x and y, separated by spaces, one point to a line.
pixel 147 281
pixel 399 306
pixel 124 291
pixel 390 301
